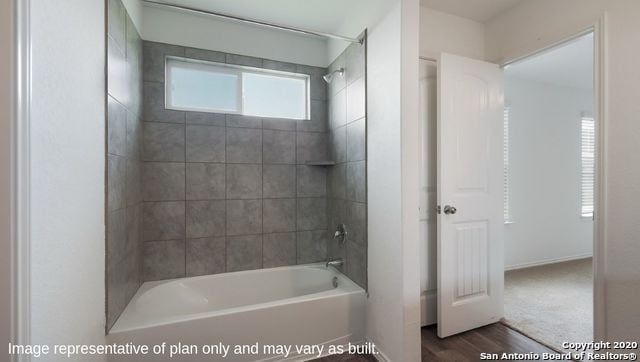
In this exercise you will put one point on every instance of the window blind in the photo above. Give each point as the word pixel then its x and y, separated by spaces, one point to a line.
pixel 506 207
pixel 587 174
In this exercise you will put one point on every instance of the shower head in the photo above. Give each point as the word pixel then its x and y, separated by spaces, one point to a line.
pixel 329 77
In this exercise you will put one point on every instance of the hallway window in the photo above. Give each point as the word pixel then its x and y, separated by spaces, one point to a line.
pixel 588 148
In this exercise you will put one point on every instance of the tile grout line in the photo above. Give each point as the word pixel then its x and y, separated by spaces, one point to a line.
pixel 186 207
pixel 226 239
pixel 296 197
pixel 226 196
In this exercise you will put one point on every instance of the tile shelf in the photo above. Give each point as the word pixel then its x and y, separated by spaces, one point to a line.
pixel 320 163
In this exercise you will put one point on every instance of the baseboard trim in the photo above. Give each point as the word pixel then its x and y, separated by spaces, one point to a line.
pixel 510 326
pixel 380 357
pixel 548 261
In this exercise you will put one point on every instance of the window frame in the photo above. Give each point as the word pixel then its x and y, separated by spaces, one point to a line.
pixel 239 71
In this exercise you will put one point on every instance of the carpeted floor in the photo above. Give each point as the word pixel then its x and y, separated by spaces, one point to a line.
pixel 551 303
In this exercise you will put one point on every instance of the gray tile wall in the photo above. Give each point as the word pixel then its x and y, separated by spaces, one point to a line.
pixel 124 140
pixel 346 181
pixel 224 193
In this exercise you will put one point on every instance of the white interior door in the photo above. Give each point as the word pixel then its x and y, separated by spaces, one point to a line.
pixel 470 226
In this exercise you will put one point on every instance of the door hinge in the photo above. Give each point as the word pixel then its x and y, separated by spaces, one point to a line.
pixel 438 209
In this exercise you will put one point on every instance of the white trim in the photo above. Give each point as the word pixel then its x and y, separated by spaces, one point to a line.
pixel 547 261
pixel 600 197
pixel 599 29
pixel 550 47
pixel 381 356
pixel 21 238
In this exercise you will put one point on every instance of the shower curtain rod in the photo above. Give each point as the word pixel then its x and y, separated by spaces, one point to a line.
pixel 429 59
pixel 256 22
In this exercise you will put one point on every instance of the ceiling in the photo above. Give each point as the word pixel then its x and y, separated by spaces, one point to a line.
pixel 478 10
pixel 330 16
pixel 568 65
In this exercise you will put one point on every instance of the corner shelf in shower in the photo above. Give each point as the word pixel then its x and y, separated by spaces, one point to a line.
pixel 320 163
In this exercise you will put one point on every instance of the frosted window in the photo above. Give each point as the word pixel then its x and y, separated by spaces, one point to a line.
pixel 223 88
pixel 274 96
pixel 194 86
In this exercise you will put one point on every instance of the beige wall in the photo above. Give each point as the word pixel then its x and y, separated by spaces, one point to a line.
pixel 410 153
pixel 535 24
pixel 192 30
pixel 442 32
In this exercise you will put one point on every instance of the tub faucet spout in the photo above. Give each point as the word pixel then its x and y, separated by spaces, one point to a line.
pixel 335 262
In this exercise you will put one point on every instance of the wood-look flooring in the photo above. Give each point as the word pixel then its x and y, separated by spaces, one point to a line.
pixel 495 338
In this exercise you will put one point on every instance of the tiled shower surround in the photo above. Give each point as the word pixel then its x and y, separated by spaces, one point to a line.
pixel 211 193
pixel 124 140
pixel 225 193
pixel 346 181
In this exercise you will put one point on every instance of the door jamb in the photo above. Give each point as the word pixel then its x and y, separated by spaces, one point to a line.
pixel 599 29
pixel 20 175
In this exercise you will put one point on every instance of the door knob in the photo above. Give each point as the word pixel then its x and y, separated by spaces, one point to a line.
pixel 450 210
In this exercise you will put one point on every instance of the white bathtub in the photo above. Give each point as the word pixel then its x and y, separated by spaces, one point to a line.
pixel 295 305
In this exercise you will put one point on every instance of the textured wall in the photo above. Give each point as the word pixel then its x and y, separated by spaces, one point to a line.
pixel 67 181
pixel 346 181
pixel 124 137
pixel 223 192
